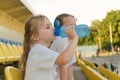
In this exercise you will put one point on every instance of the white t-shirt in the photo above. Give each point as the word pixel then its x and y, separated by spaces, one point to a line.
pixel 59 45
pixel 41 63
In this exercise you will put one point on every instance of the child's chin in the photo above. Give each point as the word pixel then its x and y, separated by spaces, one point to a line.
pixel 53 38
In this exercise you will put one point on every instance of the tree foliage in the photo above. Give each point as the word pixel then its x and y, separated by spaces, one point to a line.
pixel 101 29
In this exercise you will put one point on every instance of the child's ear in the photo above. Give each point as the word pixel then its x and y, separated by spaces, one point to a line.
pixel 35 37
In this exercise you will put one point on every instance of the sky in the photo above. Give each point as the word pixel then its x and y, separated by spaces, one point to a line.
pixel 84 10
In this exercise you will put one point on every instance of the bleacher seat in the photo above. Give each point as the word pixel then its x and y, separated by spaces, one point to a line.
pixel 2 56
pixel 12 73
pixel 20 48
pixel 10 51
pixel 91 73
pixel 9 56
pixel 109 74
pixel 92 65
pixel 13 52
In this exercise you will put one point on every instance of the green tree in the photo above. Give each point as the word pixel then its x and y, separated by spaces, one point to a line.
pixel 113 19
pixel 101 29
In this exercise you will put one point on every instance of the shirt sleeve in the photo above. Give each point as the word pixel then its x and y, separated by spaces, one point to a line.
pixel 59 45
pixel 44 58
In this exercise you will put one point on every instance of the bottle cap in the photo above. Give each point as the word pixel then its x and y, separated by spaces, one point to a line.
pixel 57 27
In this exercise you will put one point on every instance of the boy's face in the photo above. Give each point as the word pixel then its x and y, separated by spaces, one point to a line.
pixel 69 21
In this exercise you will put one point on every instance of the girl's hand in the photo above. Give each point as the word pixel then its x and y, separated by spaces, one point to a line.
pixel 70 31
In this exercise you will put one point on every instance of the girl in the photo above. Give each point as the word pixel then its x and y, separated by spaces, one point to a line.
pixel 60 44
pixel 38 62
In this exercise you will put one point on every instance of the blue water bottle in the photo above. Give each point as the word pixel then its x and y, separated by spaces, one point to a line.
pixel 82 30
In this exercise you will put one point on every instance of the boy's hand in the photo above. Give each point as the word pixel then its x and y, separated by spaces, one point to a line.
pixel 70 31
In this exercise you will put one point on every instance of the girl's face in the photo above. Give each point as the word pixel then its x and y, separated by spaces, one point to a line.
pixel 69 21
pixel 46 32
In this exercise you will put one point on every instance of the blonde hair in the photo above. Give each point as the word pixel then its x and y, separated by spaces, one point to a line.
pixel 31 28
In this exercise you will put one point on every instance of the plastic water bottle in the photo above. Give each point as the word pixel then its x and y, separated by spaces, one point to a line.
pixel 82 30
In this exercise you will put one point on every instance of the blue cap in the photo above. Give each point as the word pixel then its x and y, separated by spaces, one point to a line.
pixel 57 27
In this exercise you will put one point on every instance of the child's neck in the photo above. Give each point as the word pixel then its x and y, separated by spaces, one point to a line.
pixel 43 43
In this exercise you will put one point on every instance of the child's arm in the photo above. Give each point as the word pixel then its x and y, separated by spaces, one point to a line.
pixel 67 54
